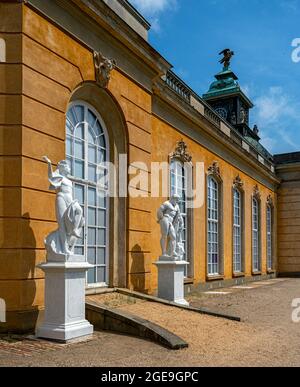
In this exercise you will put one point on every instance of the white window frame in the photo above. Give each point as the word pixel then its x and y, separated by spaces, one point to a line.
pixel 213 227
pixel 86 183
pixel 178 188
pixel 256 258
pixel 237 231
pixel 269 220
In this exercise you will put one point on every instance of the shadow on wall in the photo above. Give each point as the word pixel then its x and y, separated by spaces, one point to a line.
pixel 22 315
pixel 137 270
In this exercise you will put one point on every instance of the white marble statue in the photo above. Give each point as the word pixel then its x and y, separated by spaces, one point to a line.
pixel 172 225
pixel 69 214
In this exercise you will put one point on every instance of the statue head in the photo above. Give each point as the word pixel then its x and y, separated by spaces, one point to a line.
pixel 64 168
pixel 175 198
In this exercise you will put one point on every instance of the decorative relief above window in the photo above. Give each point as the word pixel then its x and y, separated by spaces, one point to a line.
pixel 103 68
pixel 181 153
pixel 214 170
pixel 256 193
pixel 270 201
pixel 238 183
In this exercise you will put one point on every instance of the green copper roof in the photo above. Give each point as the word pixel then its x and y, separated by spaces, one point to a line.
pixel 226 84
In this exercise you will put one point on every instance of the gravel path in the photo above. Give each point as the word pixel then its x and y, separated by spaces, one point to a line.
pixel 266 336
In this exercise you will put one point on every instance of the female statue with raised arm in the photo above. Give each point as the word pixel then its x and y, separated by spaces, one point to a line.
pixel 69 213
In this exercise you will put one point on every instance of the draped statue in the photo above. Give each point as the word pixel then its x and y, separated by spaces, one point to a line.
pixel 69 213
pixel 172 226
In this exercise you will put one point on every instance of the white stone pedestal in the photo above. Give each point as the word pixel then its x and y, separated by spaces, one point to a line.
pixel 65 299
pixel 171 280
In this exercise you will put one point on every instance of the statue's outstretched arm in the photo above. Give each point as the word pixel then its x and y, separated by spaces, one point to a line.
pixel 50 170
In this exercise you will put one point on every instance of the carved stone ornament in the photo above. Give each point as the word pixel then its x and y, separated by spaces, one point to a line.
pixel 238 183
pixel 270 201
pixel 181 152
pixel 214 170
pixel 103 68
pixel 256 193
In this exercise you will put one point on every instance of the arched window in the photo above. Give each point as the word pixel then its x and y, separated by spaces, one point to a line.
pixel 256 260
pixel 87 147
pixel 213 235
pixel 269 237
pixel 237 231
pixel 178 185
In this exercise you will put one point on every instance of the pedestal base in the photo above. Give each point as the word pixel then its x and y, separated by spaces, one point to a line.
pixel 65 333
pixel 171 281
pixel 65 300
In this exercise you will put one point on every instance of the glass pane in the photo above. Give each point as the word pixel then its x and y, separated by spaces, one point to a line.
pixel 79 169
pixel 101 237
pixel 101 141
pixel 79 250
pixel 79 111
pixel 92 256
pixel 102 199
pixel 79 149
pixel 98 130
pixel 91 119
pixel 92 137
pixel 101 218
pixel 101 256
pixel 92 173
pixel 101 275
pixel 79 131
pixel 69 146
pixel 79 193
pixel 101 154
pixel 92 216
pixel 91 276
pixel 92 236
pixel 92 197
pixel 69 126
pixel 72 117
pixel 92 154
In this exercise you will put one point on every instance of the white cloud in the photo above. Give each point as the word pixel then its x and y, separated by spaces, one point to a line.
pixel 274 105
pixel 153 8
pixel 276 113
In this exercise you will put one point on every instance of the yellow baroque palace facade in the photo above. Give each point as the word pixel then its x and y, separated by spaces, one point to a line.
pixel 79 81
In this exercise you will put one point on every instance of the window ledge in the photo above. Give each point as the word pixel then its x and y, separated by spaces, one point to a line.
pixel 215 278
pixel 188 281
pixel 256 273
pixel 271 271
pixel 238 275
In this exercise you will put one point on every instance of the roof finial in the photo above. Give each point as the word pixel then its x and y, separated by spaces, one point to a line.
pixel 228 54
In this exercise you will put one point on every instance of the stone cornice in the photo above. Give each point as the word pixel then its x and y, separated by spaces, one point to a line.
pixel 109 20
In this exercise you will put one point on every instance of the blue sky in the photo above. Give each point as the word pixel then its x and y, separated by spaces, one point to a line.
pixel 191 33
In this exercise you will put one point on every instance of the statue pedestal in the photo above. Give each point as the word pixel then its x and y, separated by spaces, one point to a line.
pixel 171 280
pixel 65 299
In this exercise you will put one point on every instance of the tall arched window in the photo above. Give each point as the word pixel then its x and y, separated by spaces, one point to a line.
pixel 178 186
pixel 181 177
pixel 213 247
pixel 256 260
pixel 237 231
pixel 269 237
pixel 87 147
